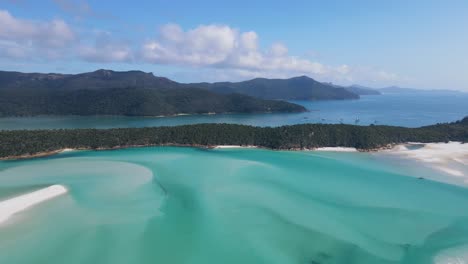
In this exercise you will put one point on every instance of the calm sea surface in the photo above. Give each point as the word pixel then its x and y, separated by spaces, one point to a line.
pixel 185 205
pixel 410 110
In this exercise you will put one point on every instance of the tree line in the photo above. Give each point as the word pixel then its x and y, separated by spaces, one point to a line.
pixel 30 142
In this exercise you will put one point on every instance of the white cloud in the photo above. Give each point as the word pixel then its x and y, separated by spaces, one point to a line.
pixel 54 33
pixel 230 51
pixel 106 49
pixel 202 46
pixel 20 37
pixel 225 51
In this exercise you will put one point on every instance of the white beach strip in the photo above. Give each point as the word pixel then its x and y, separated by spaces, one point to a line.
pixel 449 158
pixel 67 150
pixel 17 204
pixel 232 146
pixel 336 149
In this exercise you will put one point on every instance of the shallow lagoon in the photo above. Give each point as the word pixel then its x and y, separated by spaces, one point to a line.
pixel 186 205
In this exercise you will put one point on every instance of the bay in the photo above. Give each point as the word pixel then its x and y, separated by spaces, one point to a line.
pixel 405 109
pixel 187 205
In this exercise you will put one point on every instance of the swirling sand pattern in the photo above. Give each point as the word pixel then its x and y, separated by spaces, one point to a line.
pixel 184 205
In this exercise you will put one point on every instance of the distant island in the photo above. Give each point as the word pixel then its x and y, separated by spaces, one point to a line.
pixel 363 90
pixel 136 93
pixel 297 88
pixel 401 90
pixel 132 93
pixel 24 143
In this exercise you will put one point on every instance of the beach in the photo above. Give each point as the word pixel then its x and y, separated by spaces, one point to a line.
pixel 336 149
pixel 450 158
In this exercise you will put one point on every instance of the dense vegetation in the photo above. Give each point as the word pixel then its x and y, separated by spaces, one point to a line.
pixel 132 102
pixel 16 143
pixel 298 88
pixel 106 92
pixel 100 79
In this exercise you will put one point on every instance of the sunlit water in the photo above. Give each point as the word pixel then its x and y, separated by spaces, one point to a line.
pixel 410 110
pixel 194 206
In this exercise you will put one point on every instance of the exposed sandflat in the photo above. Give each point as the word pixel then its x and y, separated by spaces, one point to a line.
pixel 20 203
pixel 336 149
pixel 232 146
pixel 445 157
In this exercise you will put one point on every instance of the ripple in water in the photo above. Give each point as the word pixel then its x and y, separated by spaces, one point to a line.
pixel 183 205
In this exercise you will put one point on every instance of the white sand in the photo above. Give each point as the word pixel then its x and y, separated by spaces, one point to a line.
pixel 17 204
pixel 232 146
pixel 450 158
pixel 67 150
pixel 336 149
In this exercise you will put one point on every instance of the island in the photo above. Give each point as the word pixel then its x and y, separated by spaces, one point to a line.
pixel 32 143
pixel 137 93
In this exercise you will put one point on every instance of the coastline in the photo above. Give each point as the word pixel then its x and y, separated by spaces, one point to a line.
pixel 64 150
pixel 449 158
pixel 336 149
pixel 321 149
pixel 17 204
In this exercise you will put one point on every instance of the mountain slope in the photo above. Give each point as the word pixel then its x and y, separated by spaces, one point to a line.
pixel 100 79
pixel 132 102
pixel 362 90
pixel 298 88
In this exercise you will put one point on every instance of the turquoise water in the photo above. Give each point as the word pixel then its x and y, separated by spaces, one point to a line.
pixel 410 110
pixel 186 205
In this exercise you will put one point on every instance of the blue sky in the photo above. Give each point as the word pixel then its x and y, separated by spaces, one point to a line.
pixel 422 44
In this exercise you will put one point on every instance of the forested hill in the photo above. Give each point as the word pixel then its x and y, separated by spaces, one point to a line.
pixel 100 79
pixel 132 93
pixel 26 142
pixel 297 88
pixel 132 102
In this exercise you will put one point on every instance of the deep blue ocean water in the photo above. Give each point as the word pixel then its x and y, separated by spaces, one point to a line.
pixel 408 109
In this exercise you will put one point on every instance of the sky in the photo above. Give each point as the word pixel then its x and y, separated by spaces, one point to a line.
pixel 417 44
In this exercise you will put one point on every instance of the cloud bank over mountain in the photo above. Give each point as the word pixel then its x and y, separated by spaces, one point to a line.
pixel 227 52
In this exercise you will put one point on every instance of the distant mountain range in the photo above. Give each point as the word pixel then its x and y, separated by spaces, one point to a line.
pixel 297 88
pixel 100 79
pixel 396 89
pixel 132 93
pixel 362 90
pixel 106 92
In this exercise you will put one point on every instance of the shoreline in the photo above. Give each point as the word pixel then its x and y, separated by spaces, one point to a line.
pixel 449 158
pixel 400 148
pixel 159 116
pixel 320 149
pixel 12 206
